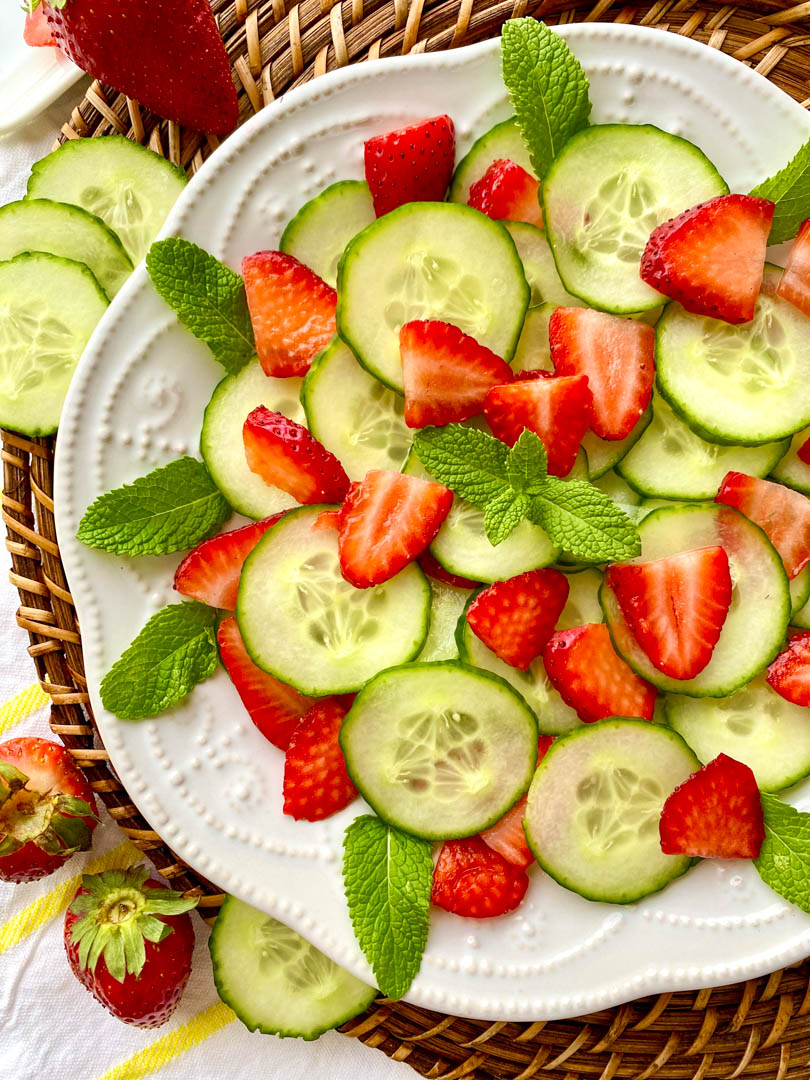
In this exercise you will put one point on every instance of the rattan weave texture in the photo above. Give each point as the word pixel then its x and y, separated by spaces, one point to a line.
pixel 758 1028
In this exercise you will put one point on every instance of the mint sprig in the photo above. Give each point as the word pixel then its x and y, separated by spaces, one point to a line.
pixel 207 297
pixel 471 462
pixel 547 87
pixel 790 190
pixel 784 860
pixel 584 521
pixel 387 877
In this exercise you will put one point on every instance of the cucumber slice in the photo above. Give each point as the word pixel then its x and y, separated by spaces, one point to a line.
pixel 318 234
pixel 129 187
pixel 791 470
pixel 429 261
pixel 538 266
pixel 594 804
pixel 760 607
pixel 275 981
pixel 605 192
pixel 221 442
pixel 801 617
pixel 612 484
pixel 799 591
pixel 744 385
pixel 502 141
pixel 68 231
pixel 533 352
pixel 303 623
pixel 582 605
pixel 755 725
pixel 49 307
pixel 671 462
pixel 353 414
pixel 456 751
pixel 447 603
pixel 604 454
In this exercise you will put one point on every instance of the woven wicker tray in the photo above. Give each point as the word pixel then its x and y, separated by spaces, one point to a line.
pixel 757 1028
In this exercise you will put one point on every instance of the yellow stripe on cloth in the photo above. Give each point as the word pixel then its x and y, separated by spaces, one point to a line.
pixel 22 705
pixel 167 1048
pixel 56 901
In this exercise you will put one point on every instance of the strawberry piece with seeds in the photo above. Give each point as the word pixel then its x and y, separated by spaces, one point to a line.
pixel 794 285
pixel 515 618
pixel 433 568
pixel 617 355
pixel 316 784
pixel 675 607
pixel 446 374
pixel 789 674
pixel 781 513
pixel 36 31
pixel 472 879
pixel 592 678
pixel 210 573
pixel 506 192
pixel 715 814
pixel 558 410
pixel 285 455
pixel 711 258
pixel 411 164
pixel 292 312
pixel 386 521
pixel 507 836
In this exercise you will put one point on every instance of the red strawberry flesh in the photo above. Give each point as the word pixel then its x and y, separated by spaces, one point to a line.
pixel 781 513
pixel 210 573
pixel 285 455
pixel 803 453
pixel 515 618
pixel 507 192
pixel 789 674
pixel 794 285
pixel 472 879
pixel 433 568
pixel 36 30
pixel 411 164
pixel 316 784
pixel 507 836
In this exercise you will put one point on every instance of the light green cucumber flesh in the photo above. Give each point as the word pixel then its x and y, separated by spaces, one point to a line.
pixel 605 454
pixel 605 192
pixel 801 617
pixel 594 805
pixel 275 981
pixel 612 484
pixel 318 234
pixel 447 604
pixel 456 751
pixel 538 265
pixel 49 307
pixel 582 605
pixel 68 231
pixel 501 141
pixel 799 591
pixel 429 261
pixel 302 622
pixel 791 470
pixel 533 352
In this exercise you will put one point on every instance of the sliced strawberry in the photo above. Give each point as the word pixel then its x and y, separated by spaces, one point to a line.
pixel 789 674
pixel 285 455
pixel 675 607
pixel 411 164
pixel 446 374
pixel 803 453
pixel 387 520
pixel 292 311
pixel 781 513
pixel 326 521
pixel 711 258
pixel 316 784
pixel 433 568
pixel 210 573
pixel 472 879
pixel 715 814
pixel 36 30
pixel 794 285
pixel 507 836
pixel 515 618
pixel 559 410
pixel 506 192
pixel 592 678
pixel 617 355
pixel 275 708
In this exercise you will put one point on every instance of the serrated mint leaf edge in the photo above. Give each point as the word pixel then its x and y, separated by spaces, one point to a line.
pixel 766 864
pixel 777 188
pixel 543 507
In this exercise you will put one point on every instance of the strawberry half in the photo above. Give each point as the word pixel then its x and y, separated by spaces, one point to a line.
pixel 285 455
pixel 794 285
pixel 515 618
pixel 506 192
pixel 292 311
pixel 715 814
pixel 386 521
pixel 789 674
pixel 316 784
pixel 507 836
pixel 472 879
pixel 411 164
pixel 210 573
pixel 781 513
pixel 675 607
pixel 617 355
pixel 275 708
pixel 559 410
pixel 36 30
pixel 711 258
pixel 592 678
pixel 433 568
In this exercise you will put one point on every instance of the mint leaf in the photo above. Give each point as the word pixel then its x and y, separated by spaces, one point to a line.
pixel 547 87
pixel 207 297
pixel 784 860
pixel 584 521
pixel 387 877
pixel 527 463
pixel 503 514
pixel 790 190
pixel 470 462
pixel 170 509
pixel 175 650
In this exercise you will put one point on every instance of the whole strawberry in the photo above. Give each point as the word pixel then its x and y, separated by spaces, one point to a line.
pixel 47 810
pixel 129 941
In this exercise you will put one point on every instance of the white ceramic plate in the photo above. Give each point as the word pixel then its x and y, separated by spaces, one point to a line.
pixel 201 774
pixel 30 78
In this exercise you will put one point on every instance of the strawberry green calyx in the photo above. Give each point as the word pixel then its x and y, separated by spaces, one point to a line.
pixel 58 824
pixel 118 914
